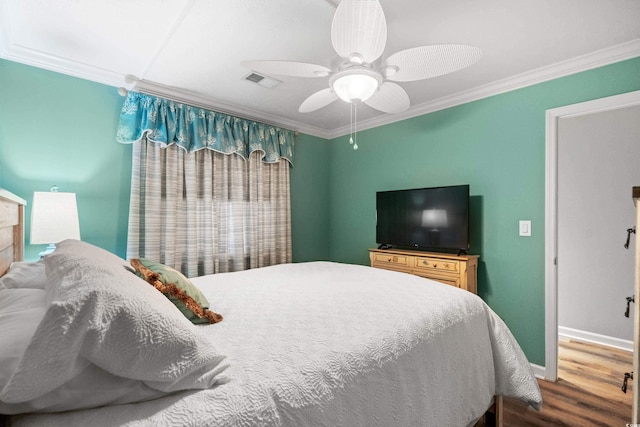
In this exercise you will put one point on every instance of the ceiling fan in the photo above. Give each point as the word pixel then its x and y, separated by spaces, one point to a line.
pixel 359 36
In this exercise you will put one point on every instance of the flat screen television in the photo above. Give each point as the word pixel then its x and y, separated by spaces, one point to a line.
pixel 424 218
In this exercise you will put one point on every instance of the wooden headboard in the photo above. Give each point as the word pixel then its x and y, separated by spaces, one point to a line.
pixel 11 229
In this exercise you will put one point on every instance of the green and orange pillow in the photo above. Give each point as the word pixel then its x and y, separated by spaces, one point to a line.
pixel 178 289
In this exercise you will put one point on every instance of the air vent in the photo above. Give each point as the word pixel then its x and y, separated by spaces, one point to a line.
pixel 261 80
pixel 253 77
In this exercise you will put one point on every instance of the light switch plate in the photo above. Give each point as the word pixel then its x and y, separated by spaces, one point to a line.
pixel 525 228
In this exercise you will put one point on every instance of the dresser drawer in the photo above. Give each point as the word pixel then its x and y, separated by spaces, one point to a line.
pixel 437 264
pixel 394 259
pixel 455 270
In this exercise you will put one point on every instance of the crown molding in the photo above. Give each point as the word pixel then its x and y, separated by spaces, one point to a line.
pixel 60 65
pixel 575 65
pixel 57 64
pixel 98 75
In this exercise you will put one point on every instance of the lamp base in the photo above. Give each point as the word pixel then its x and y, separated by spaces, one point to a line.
pixel 48 250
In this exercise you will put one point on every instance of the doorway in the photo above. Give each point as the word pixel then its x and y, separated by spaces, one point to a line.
pixel 553 120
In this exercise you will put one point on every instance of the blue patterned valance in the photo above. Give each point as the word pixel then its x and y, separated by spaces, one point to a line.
pixel 167 122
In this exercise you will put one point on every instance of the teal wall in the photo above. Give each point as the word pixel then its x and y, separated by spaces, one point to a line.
pixel 56 129
pixel 310 199
pixel 60 130
pixel 497 145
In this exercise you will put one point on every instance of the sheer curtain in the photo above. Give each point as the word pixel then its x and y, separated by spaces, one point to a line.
pixel 203 211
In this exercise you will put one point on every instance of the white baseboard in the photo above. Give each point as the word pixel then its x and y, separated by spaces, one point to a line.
pixel 590 337
pixel 584 336
pixel 538 371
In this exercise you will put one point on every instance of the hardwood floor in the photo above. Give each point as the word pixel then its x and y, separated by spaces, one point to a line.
pixel 587 392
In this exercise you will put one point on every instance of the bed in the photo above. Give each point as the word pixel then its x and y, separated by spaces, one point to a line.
pixel 307 344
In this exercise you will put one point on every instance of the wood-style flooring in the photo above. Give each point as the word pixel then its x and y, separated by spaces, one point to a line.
pixel 587 393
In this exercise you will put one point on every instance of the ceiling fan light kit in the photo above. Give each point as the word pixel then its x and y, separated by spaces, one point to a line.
pixel 355 83
pixel 359 36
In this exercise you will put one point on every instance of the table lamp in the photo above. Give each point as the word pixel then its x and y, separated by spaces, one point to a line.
pixel 54 217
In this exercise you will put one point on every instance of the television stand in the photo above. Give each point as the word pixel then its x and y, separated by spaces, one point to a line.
pixel 460 271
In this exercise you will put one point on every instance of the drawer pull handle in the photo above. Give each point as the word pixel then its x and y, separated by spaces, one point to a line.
pixel 435 265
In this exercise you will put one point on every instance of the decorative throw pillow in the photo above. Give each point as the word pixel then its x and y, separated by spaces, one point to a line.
pixel 180 291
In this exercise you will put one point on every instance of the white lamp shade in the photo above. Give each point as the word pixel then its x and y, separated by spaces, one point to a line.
pixel 54 217
pixel 355 84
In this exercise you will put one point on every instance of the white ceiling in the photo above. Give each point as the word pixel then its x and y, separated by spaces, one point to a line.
pixel 191 49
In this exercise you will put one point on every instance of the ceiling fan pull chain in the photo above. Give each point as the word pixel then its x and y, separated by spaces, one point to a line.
pixel 355 124
pixel 350 123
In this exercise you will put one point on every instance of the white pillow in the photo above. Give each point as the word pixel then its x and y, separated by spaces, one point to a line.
pixel 21 310
pixel 20 313
pixel 103 314
pixel 23 274
pixel 92 387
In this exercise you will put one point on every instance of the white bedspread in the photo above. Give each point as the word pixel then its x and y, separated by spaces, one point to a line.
pixel 328 344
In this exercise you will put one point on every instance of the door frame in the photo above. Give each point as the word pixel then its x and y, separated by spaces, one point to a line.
pixel 553 117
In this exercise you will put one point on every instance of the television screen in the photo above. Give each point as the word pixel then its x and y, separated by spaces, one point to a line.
pixel 429 218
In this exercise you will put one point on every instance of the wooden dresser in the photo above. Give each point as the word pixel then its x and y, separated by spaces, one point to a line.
pixel 455 270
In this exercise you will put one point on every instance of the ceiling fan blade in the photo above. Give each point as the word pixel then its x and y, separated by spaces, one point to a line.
pixel 318 100
pixel 359 27
pixel 390 98
pixel 288 68
pixel 425 62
